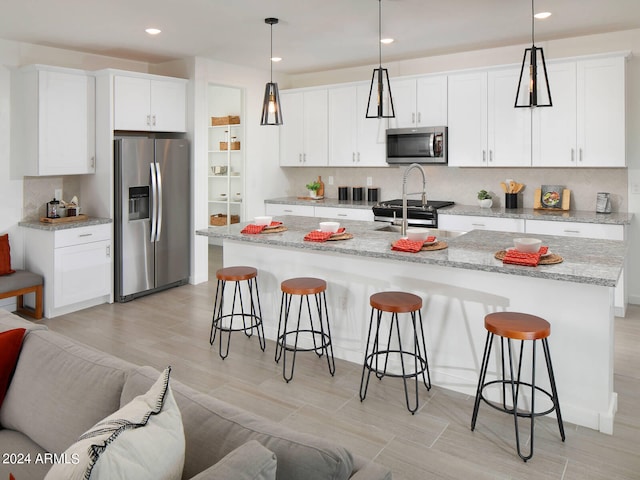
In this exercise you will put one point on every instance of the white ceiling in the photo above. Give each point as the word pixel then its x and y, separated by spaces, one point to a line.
pixel 312 35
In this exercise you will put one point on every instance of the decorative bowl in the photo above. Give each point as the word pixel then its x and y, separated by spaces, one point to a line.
pixel 527 245
pixel 329 226
pixel 417 234
pixel 264 220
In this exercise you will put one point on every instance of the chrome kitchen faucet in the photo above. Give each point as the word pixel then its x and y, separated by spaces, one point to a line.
pixel 405 221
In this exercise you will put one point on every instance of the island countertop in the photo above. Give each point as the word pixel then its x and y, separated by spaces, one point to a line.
pixel 586 260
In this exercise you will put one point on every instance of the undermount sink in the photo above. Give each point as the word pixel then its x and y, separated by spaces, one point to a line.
pixel 436 231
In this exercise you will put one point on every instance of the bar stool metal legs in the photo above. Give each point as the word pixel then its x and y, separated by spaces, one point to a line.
pixel 394 303
pixel 514 326
pixel 319 332
pixel 251 319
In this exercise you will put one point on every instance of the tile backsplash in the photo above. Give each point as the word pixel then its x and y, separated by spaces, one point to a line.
pixel 37 191
pixel 462 184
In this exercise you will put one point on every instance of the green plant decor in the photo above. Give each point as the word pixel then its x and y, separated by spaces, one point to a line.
pixel 483 195
pixel 313 186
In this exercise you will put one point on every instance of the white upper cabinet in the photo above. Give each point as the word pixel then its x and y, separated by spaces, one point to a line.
pixel 484 127
pixel 508 128
pixel 554 128
pixel 601 112
pixel 150 103
pixel 419 102
pixel 53 121
pixel 586 125
pixel 354 140
pixel 467 106
pixel 304 132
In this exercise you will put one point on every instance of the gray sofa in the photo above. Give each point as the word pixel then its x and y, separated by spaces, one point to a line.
pixel 61 388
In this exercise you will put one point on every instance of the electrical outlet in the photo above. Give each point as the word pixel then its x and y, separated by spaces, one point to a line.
pixel 330 179
pixel 57 193
pixel 369 181
pixel 635 188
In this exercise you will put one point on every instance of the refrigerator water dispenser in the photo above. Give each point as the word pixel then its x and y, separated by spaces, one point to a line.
pixel 138 203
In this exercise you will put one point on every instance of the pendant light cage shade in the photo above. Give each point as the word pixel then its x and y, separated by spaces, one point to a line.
pixel 380 103
pixel 271 106
pixel 533 84
pixel 271 113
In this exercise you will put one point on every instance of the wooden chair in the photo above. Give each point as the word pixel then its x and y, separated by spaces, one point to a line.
pixel 19 284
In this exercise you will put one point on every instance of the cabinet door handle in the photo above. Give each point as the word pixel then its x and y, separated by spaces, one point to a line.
pixel 342 215
pixel 419 117
pixel 478 225
pixel 580 154
pixel 413 118
pixel 108 251
pixel 93 162
pixel 288 210
pixel 85 234
pixel 353 157
pixel 484 156
pixel 148 119
pixel 572 231
pixel 299 158
pixel 573 155
pixel 304 158
pixel 153 118
pixel 358 157
pixel 491 155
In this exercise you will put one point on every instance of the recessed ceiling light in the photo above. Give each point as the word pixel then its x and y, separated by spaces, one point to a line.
pixel 386 41
pixel 153 31
pixel 276 59
pixel 542 15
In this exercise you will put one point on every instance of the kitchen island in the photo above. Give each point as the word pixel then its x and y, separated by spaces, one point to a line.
pixel 459 286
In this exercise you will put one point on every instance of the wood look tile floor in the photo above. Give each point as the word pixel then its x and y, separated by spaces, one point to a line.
pixel 172 328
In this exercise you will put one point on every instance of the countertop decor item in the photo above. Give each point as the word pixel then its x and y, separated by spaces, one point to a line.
pixel 528 91
pixel 271 111
pixel 380 90
pixel 552 197
pixel 484 199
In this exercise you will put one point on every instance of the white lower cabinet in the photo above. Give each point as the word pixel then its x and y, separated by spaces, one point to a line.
pixel 365 214
pixel 75 264
pixel 466 223
pixel 587 230
pixel 276 209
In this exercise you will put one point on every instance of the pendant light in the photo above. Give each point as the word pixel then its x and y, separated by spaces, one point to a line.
pixel 380 90
pixel 537 83
pixel 271 112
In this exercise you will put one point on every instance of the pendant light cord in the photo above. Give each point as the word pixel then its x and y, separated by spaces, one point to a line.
pixel 271 55
pixel 533 22
pixel 380 33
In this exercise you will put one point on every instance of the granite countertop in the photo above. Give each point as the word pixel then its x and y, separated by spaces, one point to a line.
pixel 38 225
pixel 584 216
pixel 586 260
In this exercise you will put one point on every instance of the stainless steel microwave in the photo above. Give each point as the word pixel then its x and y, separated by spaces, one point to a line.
pixel 417 145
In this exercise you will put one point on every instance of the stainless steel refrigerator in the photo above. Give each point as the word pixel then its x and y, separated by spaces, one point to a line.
pixel 152 205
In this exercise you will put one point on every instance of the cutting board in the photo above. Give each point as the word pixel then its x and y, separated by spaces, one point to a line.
pixel 77 218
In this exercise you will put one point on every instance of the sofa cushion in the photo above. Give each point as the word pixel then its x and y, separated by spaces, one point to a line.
pixel 30 461
pixel 214 428
pixel 60 389
pixel 10 343
pixel 5 255
pixel 250 461
pixel 9 321
pixel 144 439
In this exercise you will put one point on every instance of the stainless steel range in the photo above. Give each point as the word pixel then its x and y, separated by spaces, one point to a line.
pixel 417 214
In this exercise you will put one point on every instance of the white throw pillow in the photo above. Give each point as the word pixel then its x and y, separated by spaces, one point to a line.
pixel 142 440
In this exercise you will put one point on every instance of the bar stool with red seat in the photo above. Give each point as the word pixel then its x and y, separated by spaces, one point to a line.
pixel 318 336
pixel 251 319
pixel 395 303
pixel 517 326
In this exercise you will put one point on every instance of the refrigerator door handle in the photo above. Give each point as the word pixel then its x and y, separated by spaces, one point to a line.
pixel 154 200
pixel 159 218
